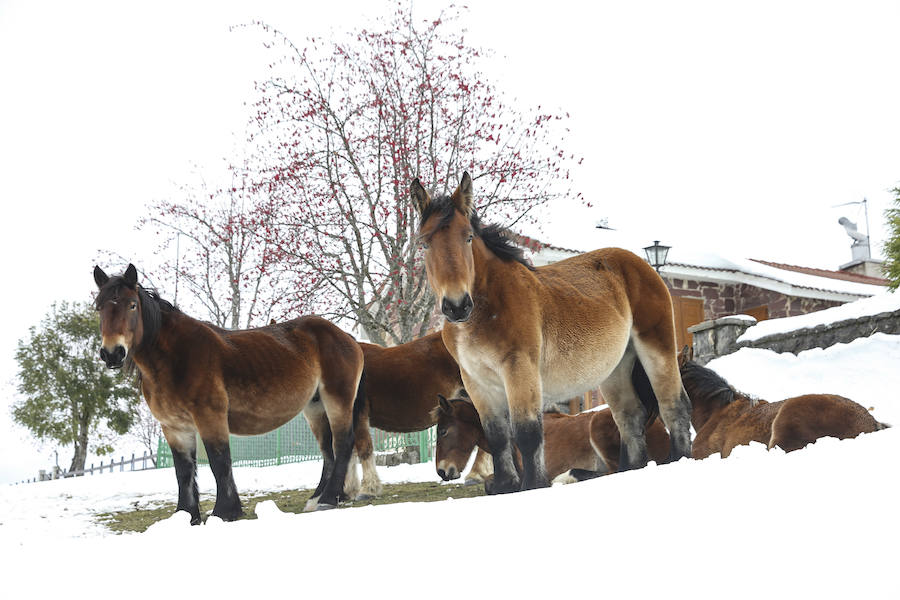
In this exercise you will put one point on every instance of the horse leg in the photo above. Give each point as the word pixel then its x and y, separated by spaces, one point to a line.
pixel 495 422
pixel 628 413
pixel 365 450
pixel 659 358
pixel 214 433
pixel 184 454
pixel 523 391
pixel 351 480
pixel 482 468
pixel 339 410
pixel 314 413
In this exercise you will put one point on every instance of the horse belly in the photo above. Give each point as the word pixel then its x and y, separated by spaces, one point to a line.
pixel 567 375
pixel 252 414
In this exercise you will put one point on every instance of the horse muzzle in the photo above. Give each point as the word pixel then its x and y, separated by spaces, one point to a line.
pixel 114 359
pixel 448 475
pixel 458 312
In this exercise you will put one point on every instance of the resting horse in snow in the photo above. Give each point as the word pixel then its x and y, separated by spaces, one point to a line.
pixel 724 417
pixel 576 447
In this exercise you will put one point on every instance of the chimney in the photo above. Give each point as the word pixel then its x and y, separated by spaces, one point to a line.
pixel 861 261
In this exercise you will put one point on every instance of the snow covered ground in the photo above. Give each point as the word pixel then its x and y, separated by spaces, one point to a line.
pixel 819 523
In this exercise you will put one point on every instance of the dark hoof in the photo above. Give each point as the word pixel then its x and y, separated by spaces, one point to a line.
pixel 229 515
pixel 196 520
pixel 492 487
pixel 325 507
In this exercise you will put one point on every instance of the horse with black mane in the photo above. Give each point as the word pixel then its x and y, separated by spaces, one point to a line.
pixel 525 336
pixel 725 418
pixel 199 378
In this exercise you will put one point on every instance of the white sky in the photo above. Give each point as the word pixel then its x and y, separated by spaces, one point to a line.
pixel 736 126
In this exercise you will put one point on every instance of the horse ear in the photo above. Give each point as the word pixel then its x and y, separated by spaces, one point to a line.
pixel 420 197
pixel 462 197
pixel 100 278
pixel 130 276
pixel 445 405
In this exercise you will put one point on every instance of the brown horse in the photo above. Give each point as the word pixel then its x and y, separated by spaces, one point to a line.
pixel 198 378
pixel 523 335
pixel 724 417
pixel 401 388
pixel 576 447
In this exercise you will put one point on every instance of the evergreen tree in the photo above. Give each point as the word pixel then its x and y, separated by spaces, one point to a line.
pixel 68 395
pixel 892 245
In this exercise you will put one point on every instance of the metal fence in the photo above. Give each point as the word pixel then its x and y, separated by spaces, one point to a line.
pixel 294 442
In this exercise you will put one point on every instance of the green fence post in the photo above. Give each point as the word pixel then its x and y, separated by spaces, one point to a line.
pixel 423 446
pixel 278 446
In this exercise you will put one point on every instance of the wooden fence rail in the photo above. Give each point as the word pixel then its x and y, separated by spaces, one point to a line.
pixel 135 463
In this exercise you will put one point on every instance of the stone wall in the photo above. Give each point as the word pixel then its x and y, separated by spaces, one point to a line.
pixel 718 337
pixel 725 299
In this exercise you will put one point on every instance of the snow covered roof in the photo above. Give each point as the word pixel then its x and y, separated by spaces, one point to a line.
pixel 688 262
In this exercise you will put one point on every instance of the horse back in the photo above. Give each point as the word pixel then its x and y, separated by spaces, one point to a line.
pixel 403 382
pixel 287 363
pixel 804 419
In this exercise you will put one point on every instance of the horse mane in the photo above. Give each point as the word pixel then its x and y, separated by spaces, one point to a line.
pixel 152 309
pixel 706 383
pixel 496 237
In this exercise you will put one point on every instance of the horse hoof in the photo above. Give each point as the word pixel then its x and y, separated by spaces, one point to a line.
pixel 230 516
pixel 325 507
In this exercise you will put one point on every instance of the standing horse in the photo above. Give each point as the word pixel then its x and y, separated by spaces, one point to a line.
pixel 198 378
pixel 523 335
pixel 576 447
pixel 724 418
pixel 402 386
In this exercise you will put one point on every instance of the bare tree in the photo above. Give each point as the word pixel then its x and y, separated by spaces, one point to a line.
pixel 345 126
pixel 228 260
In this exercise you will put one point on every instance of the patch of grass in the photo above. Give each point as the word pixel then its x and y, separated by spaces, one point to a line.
pixel 292 501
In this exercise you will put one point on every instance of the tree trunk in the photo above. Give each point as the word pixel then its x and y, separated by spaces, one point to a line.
pixel 81 445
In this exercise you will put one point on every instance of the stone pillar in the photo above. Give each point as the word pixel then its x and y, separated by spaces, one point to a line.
pixel 717 337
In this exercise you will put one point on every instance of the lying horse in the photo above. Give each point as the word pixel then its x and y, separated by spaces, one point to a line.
pixel 526 336
pixel 724 417
pixel 583 446
pixel 401 388
pixel 198 378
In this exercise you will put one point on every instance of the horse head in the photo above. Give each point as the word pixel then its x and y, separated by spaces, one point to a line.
pixel 458 432
pixel 121 325
pixel 446 234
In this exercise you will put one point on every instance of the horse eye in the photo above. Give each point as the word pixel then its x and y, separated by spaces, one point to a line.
pixel 469 239
pixel 424 246
pixel 441 432
pixel 133 306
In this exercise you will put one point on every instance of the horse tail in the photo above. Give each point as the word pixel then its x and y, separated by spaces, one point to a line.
pixel 360 402
pixel 644 390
